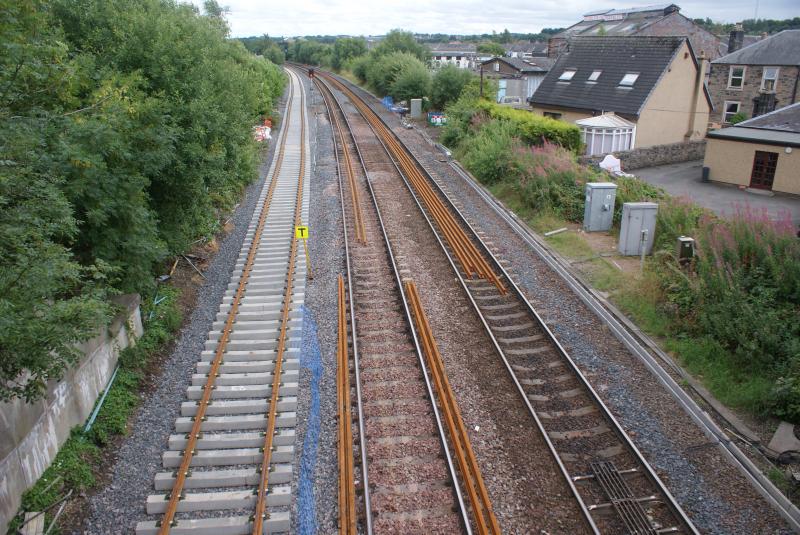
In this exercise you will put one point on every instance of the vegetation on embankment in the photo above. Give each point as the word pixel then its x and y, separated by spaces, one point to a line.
pixel 125 129
pixel 730 316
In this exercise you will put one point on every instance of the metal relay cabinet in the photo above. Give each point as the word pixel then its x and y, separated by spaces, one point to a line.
pixel 598 212
pixel 636 218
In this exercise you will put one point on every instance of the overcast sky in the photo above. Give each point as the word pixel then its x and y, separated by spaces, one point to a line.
pixel 376 17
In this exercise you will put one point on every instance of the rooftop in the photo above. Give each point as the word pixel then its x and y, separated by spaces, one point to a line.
pixel 610 73
pixel 780 127
pixel 780 49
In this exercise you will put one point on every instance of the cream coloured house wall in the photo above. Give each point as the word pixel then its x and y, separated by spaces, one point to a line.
pixel 732 162
pixel 666 114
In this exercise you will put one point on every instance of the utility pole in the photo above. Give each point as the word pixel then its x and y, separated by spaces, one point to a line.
pixel 481 80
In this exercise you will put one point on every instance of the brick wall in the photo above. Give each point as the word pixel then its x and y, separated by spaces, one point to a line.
pixel 655 155
pixel 718 88
pixel 677 24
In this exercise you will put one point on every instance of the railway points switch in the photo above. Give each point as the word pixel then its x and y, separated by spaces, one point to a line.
pixel 638 228
pixel 598 212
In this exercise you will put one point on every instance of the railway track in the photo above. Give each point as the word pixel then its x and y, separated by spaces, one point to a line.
pixel 228 466
pixel 408 420
pixel 614 486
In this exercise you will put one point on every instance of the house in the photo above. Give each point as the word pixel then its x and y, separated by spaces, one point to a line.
pixel 756 79
pixel 524 50
pixel 517 78
pixel 462 55
pixel 661 20
pixel 762 153
pixel 737 40
pixel 653 86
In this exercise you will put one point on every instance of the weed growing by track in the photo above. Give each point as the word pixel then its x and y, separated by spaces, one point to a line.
pixel 78 463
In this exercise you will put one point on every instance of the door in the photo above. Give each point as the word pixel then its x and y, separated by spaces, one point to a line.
pixel 764 165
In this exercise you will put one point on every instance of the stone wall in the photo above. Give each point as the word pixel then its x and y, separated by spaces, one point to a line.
pixel 32 433
pixel 655 155
pixel 751 88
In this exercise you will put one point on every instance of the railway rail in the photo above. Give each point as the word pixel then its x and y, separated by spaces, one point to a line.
pixel 402 392
pixel 614 486
pixel 228 466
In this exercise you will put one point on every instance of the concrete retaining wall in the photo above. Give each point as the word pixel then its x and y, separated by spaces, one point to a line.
pixel 31 434
pixel 655 155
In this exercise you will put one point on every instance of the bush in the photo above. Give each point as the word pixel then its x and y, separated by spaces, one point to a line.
pixel 631 189
pixel 488 155
pixel 534 129
pixel 447 85
pixel 384 70
pixel 414 81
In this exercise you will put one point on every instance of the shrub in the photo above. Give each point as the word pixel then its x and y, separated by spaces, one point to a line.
pixel 488 155
pixel 414 81
pixel 447 85
pixel 631 189
pixel 534 129
pixel 384 70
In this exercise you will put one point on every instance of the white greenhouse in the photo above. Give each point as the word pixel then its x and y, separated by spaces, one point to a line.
pixel 606 133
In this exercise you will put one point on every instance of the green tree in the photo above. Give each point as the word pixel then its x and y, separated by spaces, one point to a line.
pixel 495 49
pixel 384 70
pixel 414 81
pixel 447 85
pixel 402 41
pixel 346 49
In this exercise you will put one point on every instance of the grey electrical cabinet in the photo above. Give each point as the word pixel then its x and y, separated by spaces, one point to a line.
pixel 598 212
pixel 637 218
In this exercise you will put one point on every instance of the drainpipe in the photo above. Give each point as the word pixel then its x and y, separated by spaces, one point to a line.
pixel 698 92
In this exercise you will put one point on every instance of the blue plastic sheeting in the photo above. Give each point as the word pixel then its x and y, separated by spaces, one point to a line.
pixel 311 360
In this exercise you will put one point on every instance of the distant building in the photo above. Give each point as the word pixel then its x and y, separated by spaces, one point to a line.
pixel 525 50
pixel 756 79
pixel 517 78
pixel 762 153
pixel 653 86
pixel 661 20
pixel 462 55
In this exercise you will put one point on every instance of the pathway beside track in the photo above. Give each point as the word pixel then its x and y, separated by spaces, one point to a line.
pixel 228 466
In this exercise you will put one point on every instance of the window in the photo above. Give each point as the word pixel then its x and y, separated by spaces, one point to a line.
pixel 594 76
pixel 629 79
pixel 567 75
pixel 736 77
pixel 496 66
pixel 552 114
pixel 729 110
pixel 605 140
pixel 769 79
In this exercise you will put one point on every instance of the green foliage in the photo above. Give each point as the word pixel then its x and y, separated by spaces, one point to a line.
pixel 384 70
pixel 413 81
pixel 487 153
pixel 402 41
pixel 738 118
pixel 447 85
pixel 346 49
pixel 534 129
pixel 310 52
pixel 117 147
pixel 264 46
pixel 495 49
pixel 631 189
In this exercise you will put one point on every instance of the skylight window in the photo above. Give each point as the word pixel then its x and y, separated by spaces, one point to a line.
pixel 594 76
pixel 629 79
pixel 567 75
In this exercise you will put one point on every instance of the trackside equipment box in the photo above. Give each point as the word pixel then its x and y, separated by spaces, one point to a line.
pixel 598 212
pixel 637 218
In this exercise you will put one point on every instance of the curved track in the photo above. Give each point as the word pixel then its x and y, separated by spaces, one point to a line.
pixel 611 481
pixel 228 467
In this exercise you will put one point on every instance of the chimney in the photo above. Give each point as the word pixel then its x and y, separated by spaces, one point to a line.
pixel 698 96
pixel 736 39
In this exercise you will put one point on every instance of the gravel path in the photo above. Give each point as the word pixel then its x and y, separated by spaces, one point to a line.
pixel 118 507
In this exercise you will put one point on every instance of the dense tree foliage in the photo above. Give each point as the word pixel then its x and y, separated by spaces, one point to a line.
pixel 265 46
pixel 495 49
pixel 310 52
pixel 401 41
pixel 347 49
pixel 751 26
pixel 447 85
pixel 117 147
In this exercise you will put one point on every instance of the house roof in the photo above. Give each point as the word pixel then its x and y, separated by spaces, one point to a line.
pixel 538 46
pixel 606 120
pixel 615 57
pixel 618 21
pixel 452 48
pixel 525 65
pixel 780 49
pixel 779 127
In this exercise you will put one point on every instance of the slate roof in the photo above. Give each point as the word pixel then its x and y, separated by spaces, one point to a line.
pixel 527 64
pixel 785 119
pixel 523 47
pixel 463 48
pixel 780 49
pixel 615 57
pixel 618 21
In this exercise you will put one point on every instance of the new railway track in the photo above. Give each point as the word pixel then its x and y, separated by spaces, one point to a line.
pixel 414 451
pixel 616 489
pixel 227 468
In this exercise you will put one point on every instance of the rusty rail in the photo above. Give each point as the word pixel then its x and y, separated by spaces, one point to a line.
pixel 347 501
pixel 468 255
pixel 168 520
pixel 467 463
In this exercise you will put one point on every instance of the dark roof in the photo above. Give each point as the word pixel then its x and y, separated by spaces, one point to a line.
pixel 615 57
pixel 747 41
pixel 785 119
pixel 618 21
pixel 780 127
pixel 452 47
pixel 780 49
pixel 526 64
pixel 523 46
